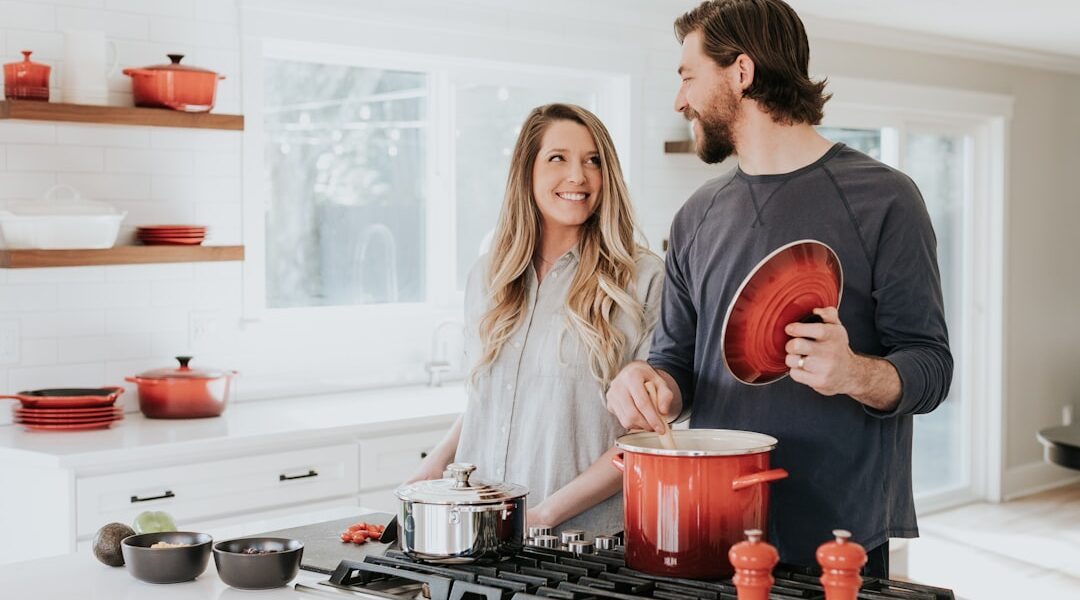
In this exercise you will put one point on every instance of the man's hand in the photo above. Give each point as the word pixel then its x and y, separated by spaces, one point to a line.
pixel 629 401
pixel 820 356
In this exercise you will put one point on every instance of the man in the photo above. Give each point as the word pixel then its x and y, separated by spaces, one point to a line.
pixel 844 416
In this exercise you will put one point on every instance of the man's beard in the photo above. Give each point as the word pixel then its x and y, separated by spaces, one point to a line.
pixel 717 140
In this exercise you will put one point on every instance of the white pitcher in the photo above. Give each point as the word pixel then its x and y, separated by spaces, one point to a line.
pixel 86 70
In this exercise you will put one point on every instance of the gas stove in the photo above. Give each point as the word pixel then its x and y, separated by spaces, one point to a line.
pixel 536 572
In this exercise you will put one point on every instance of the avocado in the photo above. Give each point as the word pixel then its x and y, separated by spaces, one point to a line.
pixel 107 543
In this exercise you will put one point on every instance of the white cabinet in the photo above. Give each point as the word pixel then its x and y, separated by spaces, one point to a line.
pixel 201 490
pixel 387 461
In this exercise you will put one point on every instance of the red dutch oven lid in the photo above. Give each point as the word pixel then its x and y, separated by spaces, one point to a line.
pixel 176 66
pixel 183 372
pixel 699 442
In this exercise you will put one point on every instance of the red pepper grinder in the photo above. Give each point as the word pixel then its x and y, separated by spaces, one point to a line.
pixel 753 560
pixel 840 562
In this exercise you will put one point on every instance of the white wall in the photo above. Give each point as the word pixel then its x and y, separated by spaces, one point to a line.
pixel 92 326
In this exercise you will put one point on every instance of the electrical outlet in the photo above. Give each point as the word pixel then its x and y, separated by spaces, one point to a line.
pixel 9 342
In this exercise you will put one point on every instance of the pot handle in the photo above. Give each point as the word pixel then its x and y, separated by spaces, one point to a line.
pixel 141 381
pixel 756 478
pixel 116 391
pixel 7 397
pixel 617 460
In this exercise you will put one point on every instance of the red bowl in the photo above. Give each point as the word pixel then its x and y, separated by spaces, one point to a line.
pixel 785 287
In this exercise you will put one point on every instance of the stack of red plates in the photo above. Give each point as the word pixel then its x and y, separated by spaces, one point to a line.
pixel 72 411
pixel 183 235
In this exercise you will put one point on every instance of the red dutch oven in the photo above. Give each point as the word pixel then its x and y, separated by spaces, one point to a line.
pixel 174 86
pixel 183 393
pixel 686 507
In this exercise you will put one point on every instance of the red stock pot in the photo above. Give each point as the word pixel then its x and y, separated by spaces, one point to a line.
pixel 686 507
pixel 175 86
pixel 182 393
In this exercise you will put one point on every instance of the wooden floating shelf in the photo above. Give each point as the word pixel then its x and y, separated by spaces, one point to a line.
pixel 119 255
pixel 32 110
pixel 679 147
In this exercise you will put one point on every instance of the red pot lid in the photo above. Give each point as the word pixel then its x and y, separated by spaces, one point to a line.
pixel 785 287
pixel 182 372
pixel 176 66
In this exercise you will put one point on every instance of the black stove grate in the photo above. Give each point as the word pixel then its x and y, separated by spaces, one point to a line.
pixel 551 573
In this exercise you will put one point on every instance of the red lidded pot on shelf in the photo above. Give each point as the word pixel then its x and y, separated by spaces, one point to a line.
pixel 174 86
pixel 26 80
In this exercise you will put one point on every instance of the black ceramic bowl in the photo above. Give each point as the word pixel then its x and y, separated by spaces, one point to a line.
pixel 240 569
pixel 166 565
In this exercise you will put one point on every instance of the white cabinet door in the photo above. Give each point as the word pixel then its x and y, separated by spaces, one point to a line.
pixel 380 501
pixel 386 462
pixel 206 490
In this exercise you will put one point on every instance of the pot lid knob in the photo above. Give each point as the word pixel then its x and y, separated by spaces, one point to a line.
pixel 175 58
pixel 461 472
pixel 753 560
pixel 840 560
pixel 184 360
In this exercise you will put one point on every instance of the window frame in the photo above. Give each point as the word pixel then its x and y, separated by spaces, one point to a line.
pixel 443 74
pixel 982 119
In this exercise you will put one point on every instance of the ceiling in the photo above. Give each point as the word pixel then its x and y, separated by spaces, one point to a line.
pixel 1050 26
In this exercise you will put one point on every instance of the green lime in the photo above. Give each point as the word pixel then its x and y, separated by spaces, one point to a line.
pixel 153 521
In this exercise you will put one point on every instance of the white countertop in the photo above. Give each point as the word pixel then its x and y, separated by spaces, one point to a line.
pixel 242 426
pixel 80 575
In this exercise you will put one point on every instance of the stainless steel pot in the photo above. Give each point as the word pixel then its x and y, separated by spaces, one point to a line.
pixel 454 520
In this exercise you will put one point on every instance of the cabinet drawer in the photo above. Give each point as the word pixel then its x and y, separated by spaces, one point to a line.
pixel 201 490
pixel 386 462
pixel 380 501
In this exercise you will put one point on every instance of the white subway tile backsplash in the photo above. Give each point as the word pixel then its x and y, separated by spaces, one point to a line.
pixel 3 157
pixel 17 132
pixel 104 347
pixel 153 213
pixel 168 8
pixel 219 164
pixel 28 15
pixel 169 188
pixel 130 160
pixel 218 35
pixel 34 353
pixel 47 47
pixel 81 3
pixel 173 293
pixel 62 323
pixel 203 140
pixel 217 271
pixel 146 320
pixel 104 295
pixel 109 186
pixel 175 343
pixel 25 186
pixel 90 374
pixel 121 25
pixel 27 297
pixel 219 294
pixel 216 10
pixel 224 222
pixel 103 135
pixel 56 275
pixel 153 272
pixel 57 158
pixel 173 30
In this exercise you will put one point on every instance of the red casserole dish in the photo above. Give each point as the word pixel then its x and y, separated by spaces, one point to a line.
pixel 174 86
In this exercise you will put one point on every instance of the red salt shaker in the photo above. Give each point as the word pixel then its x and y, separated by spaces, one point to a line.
pixel 841 560
pixel 753 560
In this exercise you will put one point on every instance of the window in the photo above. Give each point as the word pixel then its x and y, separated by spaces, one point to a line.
pixel 951 143
pixel 385 176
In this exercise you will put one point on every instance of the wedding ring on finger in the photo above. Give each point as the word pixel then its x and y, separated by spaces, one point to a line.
pixel 802 362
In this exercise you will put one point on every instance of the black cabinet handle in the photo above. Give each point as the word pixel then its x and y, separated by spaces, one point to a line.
pixel 167 494
pixel 310 473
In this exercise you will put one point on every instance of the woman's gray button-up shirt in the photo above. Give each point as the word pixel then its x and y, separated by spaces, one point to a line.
pixel 537 417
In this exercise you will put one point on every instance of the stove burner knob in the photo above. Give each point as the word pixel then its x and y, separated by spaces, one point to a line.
pixel 579 547
pixel 536 530
pixel 545 541
pixel 606 542
pixel 569 535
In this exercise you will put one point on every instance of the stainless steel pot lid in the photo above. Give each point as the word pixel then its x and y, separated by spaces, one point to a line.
pixel 458 489
pixel 699 442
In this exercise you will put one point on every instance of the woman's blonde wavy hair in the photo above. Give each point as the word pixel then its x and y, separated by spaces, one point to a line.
pixel 607 253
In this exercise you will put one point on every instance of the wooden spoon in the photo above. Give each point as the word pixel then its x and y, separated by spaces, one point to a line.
pixel 666 439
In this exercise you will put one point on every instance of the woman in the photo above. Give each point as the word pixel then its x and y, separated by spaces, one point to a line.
pixel 562 301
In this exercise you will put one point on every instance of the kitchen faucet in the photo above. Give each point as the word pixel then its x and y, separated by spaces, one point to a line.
pixel 439 362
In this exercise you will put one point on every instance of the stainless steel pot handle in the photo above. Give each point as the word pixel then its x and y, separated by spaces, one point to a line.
pixel 481 508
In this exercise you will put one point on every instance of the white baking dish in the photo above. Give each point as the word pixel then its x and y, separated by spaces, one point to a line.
pixel 51 224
